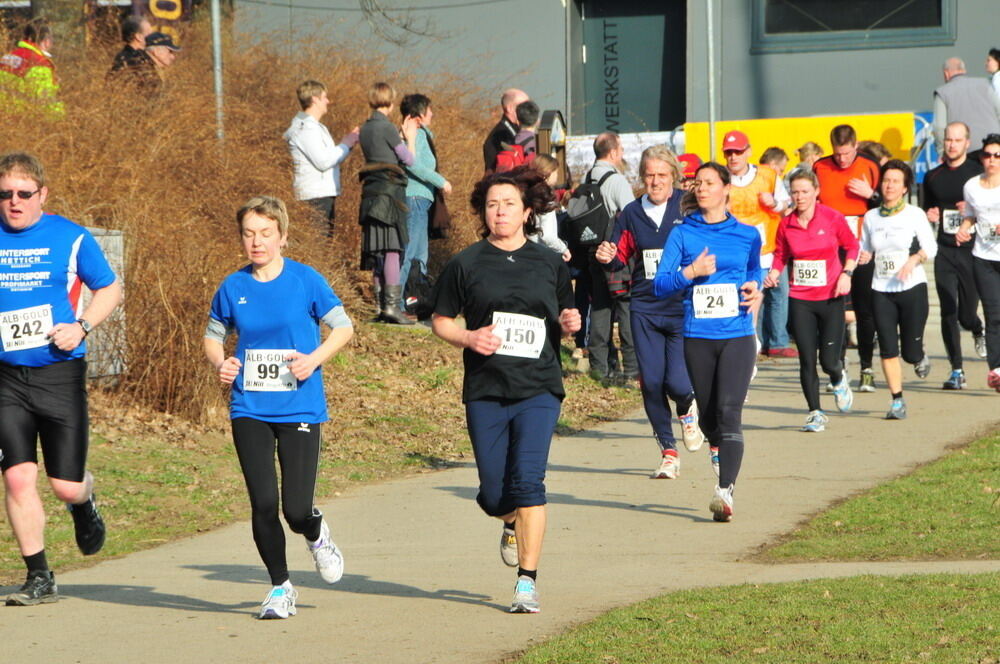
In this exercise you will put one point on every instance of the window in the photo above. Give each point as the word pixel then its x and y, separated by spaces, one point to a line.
pixel 784 26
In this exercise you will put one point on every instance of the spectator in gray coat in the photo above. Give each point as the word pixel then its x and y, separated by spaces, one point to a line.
pixel 963 98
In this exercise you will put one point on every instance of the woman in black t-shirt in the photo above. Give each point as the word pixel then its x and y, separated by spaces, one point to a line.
pixel 517 303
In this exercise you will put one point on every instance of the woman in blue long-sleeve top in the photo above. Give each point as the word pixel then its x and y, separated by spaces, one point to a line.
pixel 715 261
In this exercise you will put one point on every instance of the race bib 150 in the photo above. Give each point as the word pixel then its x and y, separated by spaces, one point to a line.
pixel 22 329
pixel 266 370
pixel 520 335
pixel 715 301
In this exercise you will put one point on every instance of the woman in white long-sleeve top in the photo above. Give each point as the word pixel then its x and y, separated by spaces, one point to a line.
pixel 898 238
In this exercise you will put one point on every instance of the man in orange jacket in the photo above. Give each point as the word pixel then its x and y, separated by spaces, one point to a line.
pixel 758 198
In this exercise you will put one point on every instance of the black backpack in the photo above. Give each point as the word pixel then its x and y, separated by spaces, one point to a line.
pixel 588 219
pixel 419 288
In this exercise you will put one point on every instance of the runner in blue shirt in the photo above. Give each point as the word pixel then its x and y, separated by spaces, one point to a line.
pixel 45 260
pixel 275 305
pixel 715 261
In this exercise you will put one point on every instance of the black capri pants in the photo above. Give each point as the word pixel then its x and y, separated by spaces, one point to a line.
pixel 818 328
pixel 900 319
pixel 298 455
pixel 47 404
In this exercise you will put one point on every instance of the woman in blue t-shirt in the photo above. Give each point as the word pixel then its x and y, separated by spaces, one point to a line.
pixel 715 261
pixel 274 305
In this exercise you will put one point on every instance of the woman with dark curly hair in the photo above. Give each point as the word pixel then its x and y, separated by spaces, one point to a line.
pixel 516 299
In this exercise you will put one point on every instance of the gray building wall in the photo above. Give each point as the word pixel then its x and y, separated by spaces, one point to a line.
pixel 492 45
pixel 778 85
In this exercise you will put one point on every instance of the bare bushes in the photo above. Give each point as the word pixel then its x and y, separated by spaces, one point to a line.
pixel 151 167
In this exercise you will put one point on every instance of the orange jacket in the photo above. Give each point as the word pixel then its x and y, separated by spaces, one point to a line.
pixel 745 205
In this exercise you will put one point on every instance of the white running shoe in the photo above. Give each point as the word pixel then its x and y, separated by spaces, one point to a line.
pixel 669 468
pixel 279 603
pixel 691 432
pixel 815 422
pixel 329 561
pixel 713 458
pixel 843 396
pixel 508 547
pixel 525 596
pixel 722 504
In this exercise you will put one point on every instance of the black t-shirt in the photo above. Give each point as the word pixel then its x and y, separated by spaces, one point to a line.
pixel 943 190
pixel 532 281
pixel 503 132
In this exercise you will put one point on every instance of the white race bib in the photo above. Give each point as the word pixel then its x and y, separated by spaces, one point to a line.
pixel 888 263
pixel 266 370
pixel 22 329
pixel 951 220
pixel 715 301
pixel 651 261
pixel 987 231
pixel 854 225
pixel 520 335
pixel 809 273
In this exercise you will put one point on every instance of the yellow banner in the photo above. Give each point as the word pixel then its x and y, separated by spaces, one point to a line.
pixel 893 130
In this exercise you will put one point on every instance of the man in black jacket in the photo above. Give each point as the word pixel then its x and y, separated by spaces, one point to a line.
pixel 505 130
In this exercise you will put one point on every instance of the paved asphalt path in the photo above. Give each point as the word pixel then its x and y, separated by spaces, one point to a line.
pixel 424 581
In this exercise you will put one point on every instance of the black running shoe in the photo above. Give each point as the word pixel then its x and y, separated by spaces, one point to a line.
pixel 89 526
pixel 39 588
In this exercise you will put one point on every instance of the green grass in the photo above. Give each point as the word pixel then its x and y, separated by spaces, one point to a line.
pixel 948 509
pixel 934 618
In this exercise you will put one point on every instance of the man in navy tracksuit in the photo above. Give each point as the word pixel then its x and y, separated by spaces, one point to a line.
pixel 640 233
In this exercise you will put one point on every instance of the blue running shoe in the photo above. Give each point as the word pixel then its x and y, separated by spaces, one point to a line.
pixel 897 411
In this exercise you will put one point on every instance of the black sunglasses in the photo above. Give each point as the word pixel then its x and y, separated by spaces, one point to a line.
pixel 7 194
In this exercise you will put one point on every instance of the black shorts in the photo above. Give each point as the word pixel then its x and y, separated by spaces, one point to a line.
pixel 47 403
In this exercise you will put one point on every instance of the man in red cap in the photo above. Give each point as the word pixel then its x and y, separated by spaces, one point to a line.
pixel 758 198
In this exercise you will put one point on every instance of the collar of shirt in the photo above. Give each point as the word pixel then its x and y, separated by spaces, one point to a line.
pixel 746 178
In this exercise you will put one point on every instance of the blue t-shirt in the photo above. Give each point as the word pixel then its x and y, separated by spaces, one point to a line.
pixel 711 304
pixel 270 316
pixel 43 269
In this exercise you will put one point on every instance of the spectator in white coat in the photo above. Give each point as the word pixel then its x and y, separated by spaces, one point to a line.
pixel 315 157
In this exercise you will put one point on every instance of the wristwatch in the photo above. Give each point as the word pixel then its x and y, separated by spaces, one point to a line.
pixel 87 327
pixel 849 273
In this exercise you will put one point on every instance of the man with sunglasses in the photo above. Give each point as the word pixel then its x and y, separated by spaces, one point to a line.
pixel 45 260
pixel 757 198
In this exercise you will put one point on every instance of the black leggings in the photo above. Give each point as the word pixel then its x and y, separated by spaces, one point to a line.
pixel 818 327
pixel 956 288
pixel 720 371
pixel 988 283
pixel 861 302
pixel 298 455
pixel 900 319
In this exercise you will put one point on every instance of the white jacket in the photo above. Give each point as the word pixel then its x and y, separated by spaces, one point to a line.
pixel 315 157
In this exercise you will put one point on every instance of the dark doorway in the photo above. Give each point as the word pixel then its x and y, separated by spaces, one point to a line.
pixel 633 65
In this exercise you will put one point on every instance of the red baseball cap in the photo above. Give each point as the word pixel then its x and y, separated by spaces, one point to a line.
pixel 689 164
pixel 735 140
